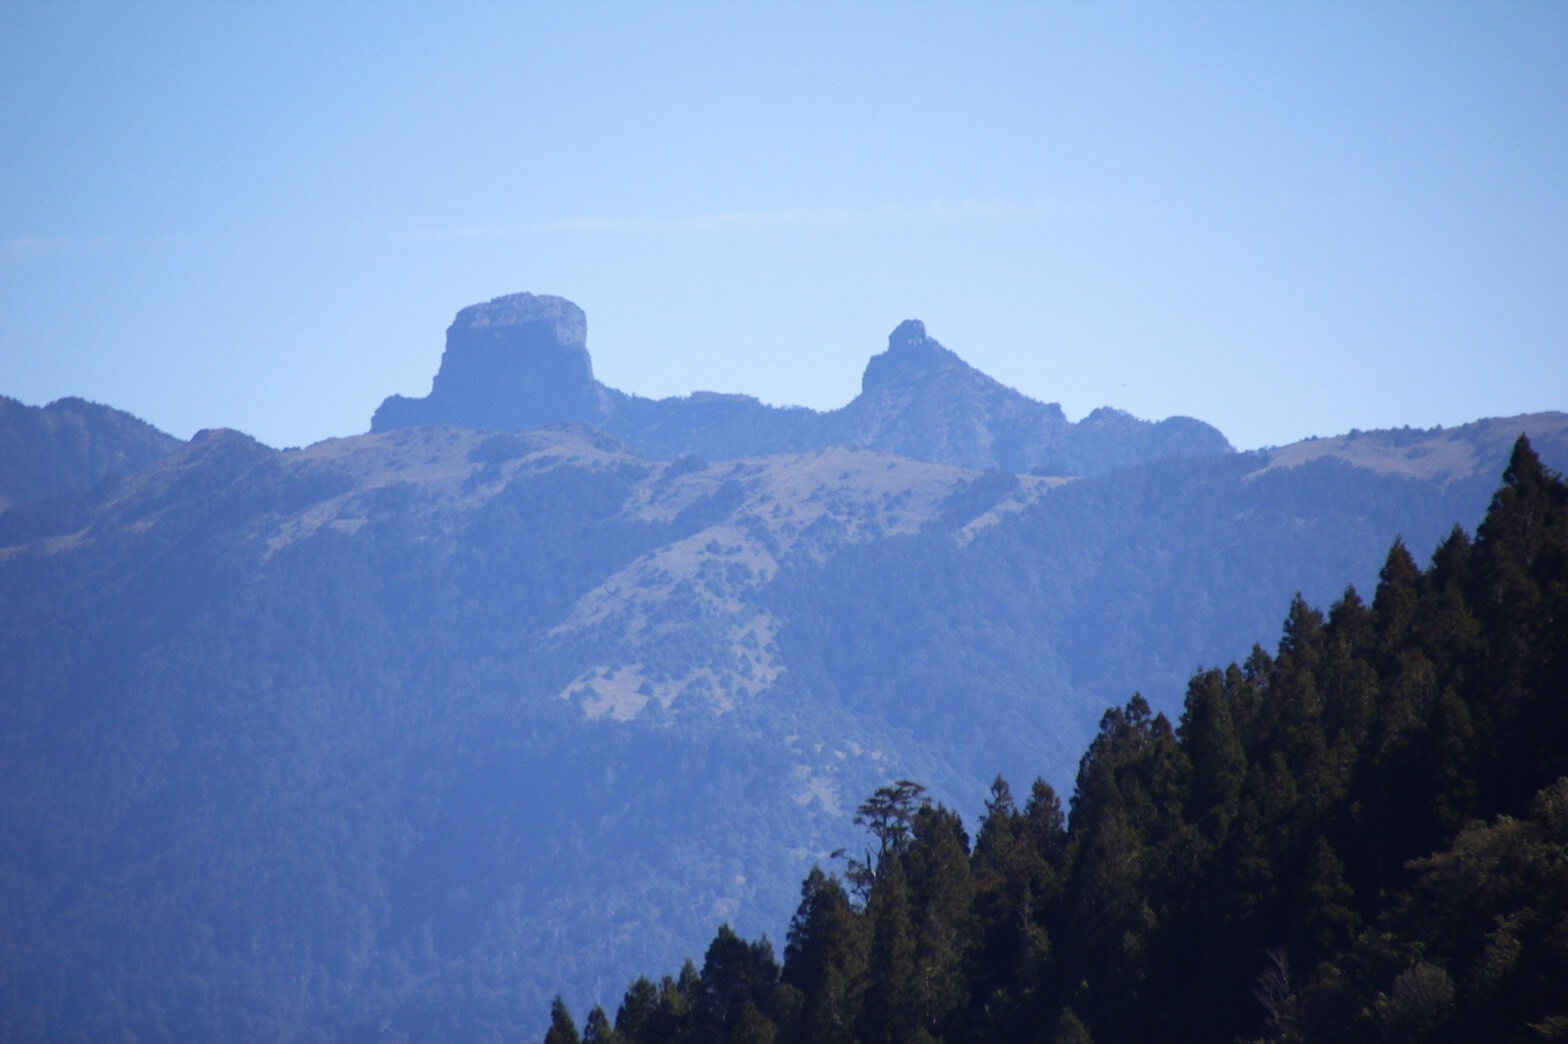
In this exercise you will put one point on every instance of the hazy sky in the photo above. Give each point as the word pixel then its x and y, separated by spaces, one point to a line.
pixel 1284 219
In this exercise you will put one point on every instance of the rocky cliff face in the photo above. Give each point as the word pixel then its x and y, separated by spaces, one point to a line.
pixel 521 361
pixel 512 363
pixel 921 400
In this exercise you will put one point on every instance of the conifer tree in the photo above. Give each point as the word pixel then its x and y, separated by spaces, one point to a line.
pixel 1017 872
pixel 638 1010
pixel 1349 683
pixel 1045 836
pixel 598 1030
pixel 1219 764
pixel 1520 595
pixel 942 900
pixel 672 1021
pixel 998 837
pixel 1001 899
pixel 825 959
pixel 1394 608
pixel 1322 914
pixel 889 1013
pixel 735 973
pixel 562 1029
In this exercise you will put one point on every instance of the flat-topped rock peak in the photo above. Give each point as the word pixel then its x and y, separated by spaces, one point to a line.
pixel 568 325
pixel 514 362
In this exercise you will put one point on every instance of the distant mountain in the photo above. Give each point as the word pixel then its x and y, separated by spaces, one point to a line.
pixel 70 445
pixel 521 361
pixel 400 733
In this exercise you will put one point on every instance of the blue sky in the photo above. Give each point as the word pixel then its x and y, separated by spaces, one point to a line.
pixel 1287 219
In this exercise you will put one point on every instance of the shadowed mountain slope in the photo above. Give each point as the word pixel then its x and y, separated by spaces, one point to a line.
pixel 68 446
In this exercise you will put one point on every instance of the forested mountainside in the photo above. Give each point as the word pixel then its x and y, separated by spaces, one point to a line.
pixel 70 446
pixel 412 729
pixel 1362 837
pixel 521 361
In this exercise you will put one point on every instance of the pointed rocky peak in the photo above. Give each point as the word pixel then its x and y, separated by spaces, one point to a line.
pixel 910 332
pixel 514 362
pixel 912 356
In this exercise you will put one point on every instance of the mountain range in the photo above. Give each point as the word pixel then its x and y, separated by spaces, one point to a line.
pixel 532 684
pixel 521 361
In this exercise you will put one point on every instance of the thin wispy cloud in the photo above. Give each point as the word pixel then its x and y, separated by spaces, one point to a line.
pixel 784 218
pixel 30 247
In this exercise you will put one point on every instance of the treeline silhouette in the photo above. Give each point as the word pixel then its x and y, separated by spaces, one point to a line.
pixel 1362 837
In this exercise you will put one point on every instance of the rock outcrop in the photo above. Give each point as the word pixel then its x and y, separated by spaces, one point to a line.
pixel 515 362
pixel 521 362
pixel 921 400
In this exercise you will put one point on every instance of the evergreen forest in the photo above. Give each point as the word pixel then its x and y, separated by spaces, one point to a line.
pixel 1362 837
